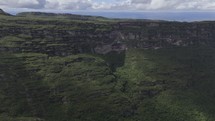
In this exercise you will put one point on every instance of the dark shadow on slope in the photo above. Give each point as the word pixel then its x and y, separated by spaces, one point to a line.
pixel 115 59
pixel 22 93
pixel 189 75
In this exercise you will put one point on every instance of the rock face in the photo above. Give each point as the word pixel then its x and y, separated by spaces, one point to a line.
pixel 3 13
pixel 167 34
pixel 68 36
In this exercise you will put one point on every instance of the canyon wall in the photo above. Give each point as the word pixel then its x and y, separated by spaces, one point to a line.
pixel 65 37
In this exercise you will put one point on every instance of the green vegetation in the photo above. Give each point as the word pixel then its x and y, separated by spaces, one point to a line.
pixel 11 41
pixel 62 88
pixel 166 84
pixel 49 70
pixel 179 82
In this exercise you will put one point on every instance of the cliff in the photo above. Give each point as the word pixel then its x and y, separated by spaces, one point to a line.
pixel 76 35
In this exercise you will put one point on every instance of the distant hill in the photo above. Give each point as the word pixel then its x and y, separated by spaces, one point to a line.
pixel 68 16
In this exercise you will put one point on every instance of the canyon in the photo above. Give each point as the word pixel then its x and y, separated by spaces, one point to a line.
pixel 66 67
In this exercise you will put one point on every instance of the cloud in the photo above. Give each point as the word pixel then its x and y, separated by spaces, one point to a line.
pixel 158 5
pixel 169 5
pixel 34 4
pixel 110 4
pixel 69 4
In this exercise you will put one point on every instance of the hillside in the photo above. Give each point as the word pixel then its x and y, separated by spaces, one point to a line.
pixel 64 67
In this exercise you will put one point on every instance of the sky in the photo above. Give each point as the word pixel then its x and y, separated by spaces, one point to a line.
pixel 113 5
pixel 171 10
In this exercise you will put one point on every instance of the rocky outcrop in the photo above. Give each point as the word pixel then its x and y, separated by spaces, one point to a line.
pixel 167 34
pixel 3 13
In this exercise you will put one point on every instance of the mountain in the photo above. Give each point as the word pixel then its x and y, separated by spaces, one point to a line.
pixel 56 67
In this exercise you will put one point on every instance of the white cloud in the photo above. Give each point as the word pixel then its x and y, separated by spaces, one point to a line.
pixel 160 5
pixel 105 5
pixel 34 4
pixel 69 4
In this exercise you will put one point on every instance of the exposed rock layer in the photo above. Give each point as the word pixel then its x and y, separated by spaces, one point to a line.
pixel 60 37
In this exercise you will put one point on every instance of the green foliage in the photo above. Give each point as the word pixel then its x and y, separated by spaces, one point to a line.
pixel 77 87
pixel 179 82
pixel 10 41
pixel 7 118
pixel 166 84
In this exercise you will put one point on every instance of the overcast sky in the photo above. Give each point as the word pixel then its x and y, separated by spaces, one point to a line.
pixel 133 5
